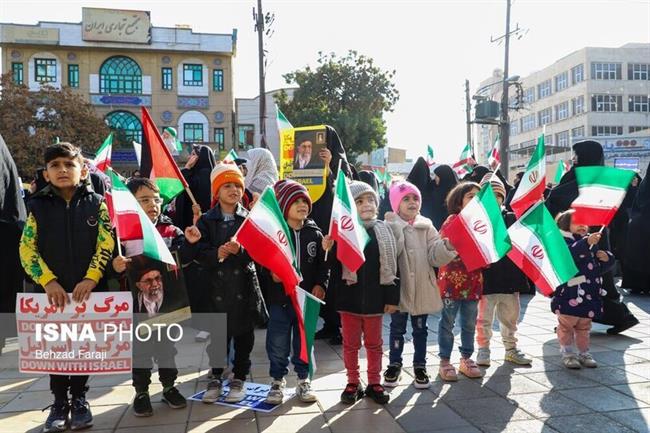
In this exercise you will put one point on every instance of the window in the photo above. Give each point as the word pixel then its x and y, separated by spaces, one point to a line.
pixel 514 128
pixel 562 139
pixel 528 123
pixel 192 75
pixel 548 139
pixel 638 128
pixel 638 71
pixel 192 132
pixel 577 74
pixel 120 75
pixel 605 71
pixel 246 136
pixel 17 72
pixel 544 89
pixel 73 75
pixel 604 131
pixel 562 111
pixel 166 74
pixel 639 104
pixel 45 70
pixel 220 138
pixel 578 132
pixel 561 81
pixel 529 95
pixel 545 116
pixel 127 128
pixel 606 103
pixel 578 105
pixel 217 80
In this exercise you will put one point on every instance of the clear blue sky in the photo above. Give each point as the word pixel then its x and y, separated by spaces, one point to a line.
pixel 434 45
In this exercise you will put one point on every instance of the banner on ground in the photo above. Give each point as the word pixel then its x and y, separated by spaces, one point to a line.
pixel 255 395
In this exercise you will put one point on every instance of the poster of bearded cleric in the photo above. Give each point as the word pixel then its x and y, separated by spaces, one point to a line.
pixel 301 159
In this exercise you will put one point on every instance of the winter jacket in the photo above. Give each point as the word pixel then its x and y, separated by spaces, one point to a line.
pixel 367 296
pixel 68 242
pixel 504 277
pixel 581 296
pixel 419 249
pixel 310 257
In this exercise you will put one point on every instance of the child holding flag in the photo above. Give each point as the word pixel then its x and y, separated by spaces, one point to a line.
pixel 419 249
pixel 365 295
pixel 295 205
pixel 460 290
pixel 577 302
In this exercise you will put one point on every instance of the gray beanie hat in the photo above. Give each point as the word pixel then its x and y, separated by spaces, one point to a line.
pixel 358 188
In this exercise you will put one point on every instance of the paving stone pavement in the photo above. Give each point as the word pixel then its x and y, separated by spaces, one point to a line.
pixel 544 397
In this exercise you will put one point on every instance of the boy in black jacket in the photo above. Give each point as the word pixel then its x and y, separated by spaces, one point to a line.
pixel 64 249
pixel 295 205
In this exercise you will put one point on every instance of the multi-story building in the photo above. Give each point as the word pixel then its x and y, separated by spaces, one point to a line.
pixel 118 61
pixel 593 93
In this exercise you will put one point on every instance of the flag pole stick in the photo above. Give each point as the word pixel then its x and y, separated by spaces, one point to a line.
pixel 329 230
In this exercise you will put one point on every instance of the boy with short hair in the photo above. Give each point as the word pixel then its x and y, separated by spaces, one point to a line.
pixel 295 205
pixel 65 246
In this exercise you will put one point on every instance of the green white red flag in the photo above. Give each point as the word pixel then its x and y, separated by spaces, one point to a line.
pixel 540 251
pixel 132 223
pixel 465 163
pixel 103 156
pixel 231 156
pixel 281 119
pixel 307 308
pixel 601 191
pixel 562 167
pixel 346 228
pixel 266 238
pixel 430 158
pixel 532 185
pixel 478 232
pixel 494 158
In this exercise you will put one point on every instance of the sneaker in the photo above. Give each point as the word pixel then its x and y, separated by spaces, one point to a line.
pixel 518 357
pixel 304 392
pixel 447 372
pixel 571 361
pixel 469 368
pixel 237 391
pixel 202 336
pixel 352 393
pixel 483 357
pixel 393 375
pixel 377 393
pixel 57 420
pixel 586 360
pixel 336 340
pixel 174 398
pixel 276 393
pixel 421 378
pixel 80 417
pixel 142 405
pixel 213 391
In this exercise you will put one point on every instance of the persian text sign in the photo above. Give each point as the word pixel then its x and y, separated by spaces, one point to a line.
pixel 88 338
pixel 113 25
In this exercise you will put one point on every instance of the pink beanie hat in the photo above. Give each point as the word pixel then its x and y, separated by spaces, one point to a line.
pixel 399 190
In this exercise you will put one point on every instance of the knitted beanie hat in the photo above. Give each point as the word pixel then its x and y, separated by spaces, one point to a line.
pixel 497 185
pixel 358 188
pixel 401 189
pixel 221 174
pixel 287 192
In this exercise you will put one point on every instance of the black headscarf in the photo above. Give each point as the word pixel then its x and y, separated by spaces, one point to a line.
pixel 638 233
pixel 478 173
pixel 198 179
pixel 420 176
pixel 447 181
pixel 12 205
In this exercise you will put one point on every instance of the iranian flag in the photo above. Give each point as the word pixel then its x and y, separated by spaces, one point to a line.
pixel 540 251
pixel 494 159
pixel 562 167
pixel 346 228
pixel 132 224
pixel 430 160
pixel 601 191
pixel 265 236
pixel 532 185
pixel 231 156
pixel 479 232
pixel 281 119
pixel 307 308
pixel 103 156
pixel 157 163
pixel 464 165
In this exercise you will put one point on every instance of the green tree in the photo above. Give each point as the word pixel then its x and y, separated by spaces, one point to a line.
pixel 349 93
pixel 29 121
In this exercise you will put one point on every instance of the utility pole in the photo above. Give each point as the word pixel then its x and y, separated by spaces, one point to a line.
pixel 504 126
pixel 468 115
pixel 259 27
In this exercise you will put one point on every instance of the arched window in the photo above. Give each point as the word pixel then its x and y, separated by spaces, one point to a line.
pixel 127 128
pixel 120 74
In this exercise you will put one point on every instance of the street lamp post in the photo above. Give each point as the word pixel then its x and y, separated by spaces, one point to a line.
pixel 504 127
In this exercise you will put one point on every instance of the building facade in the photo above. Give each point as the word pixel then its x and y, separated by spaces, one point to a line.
pixel 117 61
pixel 593 93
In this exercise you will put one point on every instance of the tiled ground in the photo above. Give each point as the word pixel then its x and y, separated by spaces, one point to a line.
pixel 547 398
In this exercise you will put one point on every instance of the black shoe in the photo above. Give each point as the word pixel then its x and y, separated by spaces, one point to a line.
pixel 392 375
pixel 142 405
pixel 325 333
pixel 81 416
pixel 352 393
pixel 421 378
pixel 630 322
pixel 377 393
pixel 57 420
pixel 174 398
pixel 336 340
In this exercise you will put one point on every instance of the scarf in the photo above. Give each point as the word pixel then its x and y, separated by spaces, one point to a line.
pixel 262 171
pixel 387 254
